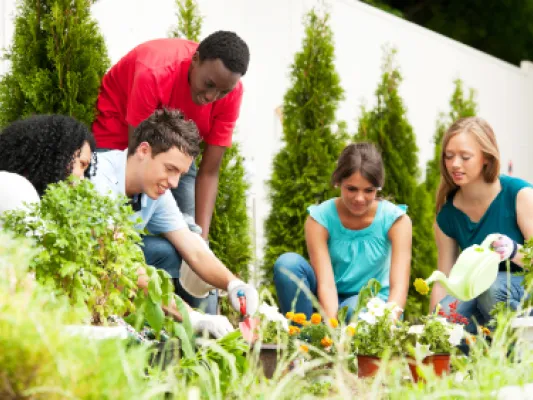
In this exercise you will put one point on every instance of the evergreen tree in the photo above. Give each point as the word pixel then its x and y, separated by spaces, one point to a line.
pixel 189 20
pixel 58 58
pixel 229 233
pixel 303 167
pixel 460 106
pixel 387 126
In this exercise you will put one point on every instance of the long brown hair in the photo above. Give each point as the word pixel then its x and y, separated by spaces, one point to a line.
pixel 484 135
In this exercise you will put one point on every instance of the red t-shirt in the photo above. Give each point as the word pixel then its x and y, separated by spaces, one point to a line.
pixel 155 75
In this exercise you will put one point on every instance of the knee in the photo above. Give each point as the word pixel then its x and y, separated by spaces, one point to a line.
pixel 288 263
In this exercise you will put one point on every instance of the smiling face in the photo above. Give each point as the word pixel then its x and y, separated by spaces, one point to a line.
pixel 162 172
pixel 210 80
pixel 357 194
pixel 464 159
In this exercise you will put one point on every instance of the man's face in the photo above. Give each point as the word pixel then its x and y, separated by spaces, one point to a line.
pixel 210 80
pixel 162 172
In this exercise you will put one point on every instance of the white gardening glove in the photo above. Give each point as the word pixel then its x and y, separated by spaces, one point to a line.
pixel 216 325
pixel 505 247
pixel 250 294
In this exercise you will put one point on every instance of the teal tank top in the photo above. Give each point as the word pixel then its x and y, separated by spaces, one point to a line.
pixel 358 255
pixel 500 217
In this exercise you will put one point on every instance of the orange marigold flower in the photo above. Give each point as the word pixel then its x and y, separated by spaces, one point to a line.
pixel 333 322
pixel 299 318
pixel 326 342
pixel 304 348
pixel 316 318
pixel 289 315
pixel 470 340
pixel 293 330
pixel 350 330
pixel 486 331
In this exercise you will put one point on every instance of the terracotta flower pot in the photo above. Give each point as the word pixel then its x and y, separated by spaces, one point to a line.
pixel 440 363
pixel 268 357
pixel 367 366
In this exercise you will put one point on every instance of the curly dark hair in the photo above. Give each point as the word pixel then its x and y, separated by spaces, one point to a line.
pixel 229 48
pixel 43 148
pixel 165 129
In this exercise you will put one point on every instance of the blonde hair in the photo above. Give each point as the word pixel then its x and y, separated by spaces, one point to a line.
pixel 484 135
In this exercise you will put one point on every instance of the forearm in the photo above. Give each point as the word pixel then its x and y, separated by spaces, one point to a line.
pixel 398 295
pixel 328 299
pixel 437 294
pixel 206 195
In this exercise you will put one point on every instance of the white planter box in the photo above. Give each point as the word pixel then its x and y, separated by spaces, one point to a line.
pixel 98 332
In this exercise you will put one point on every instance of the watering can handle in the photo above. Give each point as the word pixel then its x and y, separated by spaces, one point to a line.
pixel 489 240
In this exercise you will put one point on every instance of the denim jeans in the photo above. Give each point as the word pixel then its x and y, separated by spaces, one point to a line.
pixel 477 311
pixel 287 289
pixel 160 253
pixel 184 194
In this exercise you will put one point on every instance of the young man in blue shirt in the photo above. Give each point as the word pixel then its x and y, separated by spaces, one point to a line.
pixel 160 151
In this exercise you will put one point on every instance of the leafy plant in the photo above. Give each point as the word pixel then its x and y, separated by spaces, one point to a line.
pixel 88 249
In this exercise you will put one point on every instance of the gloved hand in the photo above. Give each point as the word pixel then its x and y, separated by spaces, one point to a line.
pixel 216 325
pixel 192 224
pixel 250 293
pixel 505 247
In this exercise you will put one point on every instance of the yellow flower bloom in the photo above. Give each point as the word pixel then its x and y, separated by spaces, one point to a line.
pixel 293 330
pixel 350 330
pixel 299 318
pixel 486 331
pixel 333 322
pixel 289 315
pixel 421 286
pixel 304 348
pixel 326 342
pixel 316 318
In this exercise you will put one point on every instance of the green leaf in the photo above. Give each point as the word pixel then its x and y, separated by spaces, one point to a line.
pixel 154 315
pixel 154 288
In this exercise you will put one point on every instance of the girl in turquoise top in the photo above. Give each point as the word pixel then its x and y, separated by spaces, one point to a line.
pixel 350 240
pixel 473 201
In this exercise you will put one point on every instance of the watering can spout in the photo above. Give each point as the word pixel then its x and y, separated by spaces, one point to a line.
pixel 438 276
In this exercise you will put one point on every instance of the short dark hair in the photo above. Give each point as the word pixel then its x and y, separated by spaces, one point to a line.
pixel 165 129
pixel 229 48
pixel 360 157
pixel 42 148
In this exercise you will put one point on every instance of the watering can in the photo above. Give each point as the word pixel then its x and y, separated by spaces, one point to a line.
pixel 474 272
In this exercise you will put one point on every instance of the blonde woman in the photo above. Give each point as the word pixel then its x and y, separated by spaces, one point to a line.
pixel 473 201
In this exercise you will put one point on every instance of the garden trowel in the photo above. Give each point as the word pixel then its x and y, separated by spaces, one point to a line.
pixel 248 325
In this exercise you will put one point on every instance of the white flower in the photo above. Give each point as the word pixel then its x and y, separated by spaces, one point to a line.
pixel 376 306
pixel 272 314
pixel 416 329
pixel 422 351
pixel 456 334
pixel 368 317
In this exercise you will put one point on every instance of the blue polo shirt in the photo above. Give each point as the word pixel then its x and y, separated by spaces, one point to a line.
pixel 158 216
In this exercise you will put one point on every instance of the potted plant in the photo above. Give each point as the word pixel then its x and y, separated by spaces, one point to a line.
pixel 432 341
pixel 376 332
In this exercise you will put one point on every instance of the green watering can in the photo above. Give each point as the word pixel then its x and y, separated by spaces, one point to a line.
pixel 474 272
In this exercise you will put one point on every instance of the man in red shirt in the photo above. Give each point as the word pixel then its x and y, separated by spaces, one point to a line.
pixel 202 80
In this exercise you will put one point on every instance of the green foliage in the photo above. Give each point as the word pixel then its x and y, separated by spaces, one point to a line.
pixel 229 234
pixel 460 106
pixel 88 246
pixel 489 27
pixel 189 20
pixel 302 169
pixel 58 58
pixel 387 126
pixel 39 359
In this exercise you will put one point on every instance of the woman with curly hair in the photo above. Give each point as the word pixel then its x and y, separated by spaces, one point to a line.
pixel 46 149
